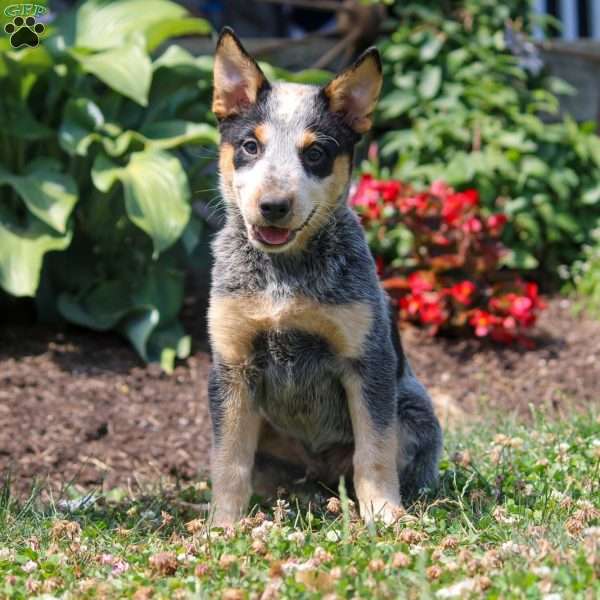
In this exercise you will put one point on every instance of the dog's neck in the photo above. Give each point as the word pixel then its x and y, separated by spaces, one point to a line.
pixel 332 259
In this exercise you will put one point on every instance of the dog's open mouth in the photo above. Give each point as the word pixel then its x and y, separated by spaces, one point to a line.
pixel 278 236
pixel 273 236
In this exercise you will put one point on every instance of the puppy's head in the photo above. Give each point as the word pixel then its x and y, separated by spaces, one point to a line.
pixel 286 149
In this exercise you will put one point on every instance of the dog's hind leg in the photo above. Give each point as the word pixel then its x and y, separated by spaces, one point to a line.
pixel 420 438
pixel 419 432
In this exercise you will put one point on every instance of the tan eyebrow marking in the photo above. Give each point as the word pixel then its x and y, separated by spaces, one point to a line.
pixel 308 138
pixel 260 133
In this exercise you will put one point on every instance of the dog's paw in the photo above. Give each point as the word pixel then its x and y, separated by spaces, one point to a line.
pixel 227 514
pixel 382 510
pixel 225 519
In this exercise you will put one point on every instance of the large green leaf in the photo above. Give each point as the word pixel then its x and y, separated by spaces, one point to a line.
pixel 102 24
pixel 22 250
pixel 126 69
pixel 143 309
pixel 16 119
pixel 101 308
pixel 156 193
pixel 169 134
pixel 178 57
pixel 169 28
pixel 82 121
pixel 49 194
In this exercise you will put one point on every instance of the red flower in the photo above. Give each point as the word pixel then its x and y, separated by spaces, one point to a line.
pixel 482 321
pixel 411 303
pixel 369 191
pixel 521 308
pixel 420 281
pixel 456 205
pixel 366 192
pixel 440 188
pixel 462 292
pixel 450 235
pixel 439 239
pixel 418 203
pixel 473 225
pixel 471 197
pixel 389 190
pixel 496 223
pixel 532 292
pixel 431 311
pixel 374 211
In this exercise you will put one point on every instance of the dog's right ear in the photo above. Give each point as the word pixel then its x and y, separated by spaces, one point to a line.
pixel 237 78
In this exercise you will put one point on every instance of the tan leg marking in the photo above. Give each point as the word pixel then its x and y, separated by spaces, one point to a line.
pixel 375 469
pixel 232 457
pixel 234 322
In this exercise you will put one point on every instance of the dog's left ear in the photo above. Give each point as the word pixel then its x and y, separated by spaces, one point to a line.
pixel 237 78
pixel 354 92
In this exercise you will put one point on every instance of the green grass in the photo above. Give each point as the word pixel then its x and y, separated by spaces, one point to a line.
pixel 516 516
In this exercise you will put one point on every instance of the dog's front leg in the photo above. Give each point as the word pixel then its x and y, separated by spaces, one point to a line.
pixel 375 450
pixel 236 426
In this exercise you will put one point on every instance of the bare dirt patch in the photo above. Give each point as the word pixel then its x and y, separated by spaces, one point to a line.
pixel 78 406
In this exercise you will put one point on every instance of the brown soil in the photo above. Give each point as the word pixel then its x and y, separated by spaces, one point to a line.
pixel 77 406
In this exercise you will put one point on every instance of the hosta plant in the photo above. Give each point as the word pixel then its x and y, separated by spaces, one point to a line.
pixel 102 143
pixel 440 258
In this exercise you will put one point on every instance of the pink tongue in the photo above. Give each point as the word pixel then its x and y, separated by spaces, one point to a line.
pixel 273 235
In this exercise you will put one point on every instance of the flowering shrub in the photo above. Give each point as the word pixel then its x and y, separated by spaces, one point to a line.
pixel 464 99
pixel 440 258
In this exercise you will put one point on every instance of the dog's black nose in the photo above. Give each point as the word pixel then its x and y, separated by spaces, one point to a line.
pixel 275 209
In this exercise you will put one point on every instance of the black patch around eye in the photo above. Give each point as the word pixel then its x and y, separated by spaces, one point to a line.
pixel 321 167
pixel 237 129
pixel 328 126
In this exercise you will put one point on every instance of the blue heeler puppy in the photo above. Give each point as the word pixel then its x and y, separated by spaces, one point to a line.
pixel 308 373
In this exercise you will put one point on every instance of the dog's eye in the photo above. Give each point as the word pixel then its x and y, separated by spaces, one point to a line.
pixel 250 147
pixel 314 154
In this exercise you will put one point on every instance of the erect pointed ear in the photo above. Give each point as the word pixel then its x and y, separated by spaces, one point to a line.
pixel 237 78
pixel 354 92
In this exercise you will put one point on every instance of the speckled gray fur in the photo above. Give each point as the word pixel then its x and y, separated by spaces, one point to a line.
pixel 295 377
pixel 298 379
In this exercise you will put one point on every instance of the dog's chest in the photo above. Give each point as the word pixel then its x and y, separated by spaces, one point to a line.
pixel 294 350
pixel 236 321
pixel 297 388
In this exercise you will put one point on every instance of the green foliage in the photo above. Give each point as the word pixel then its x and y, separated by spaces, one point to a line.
pixel 586 274
pixel 516 516
pixel 459 106
pixel 97 160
